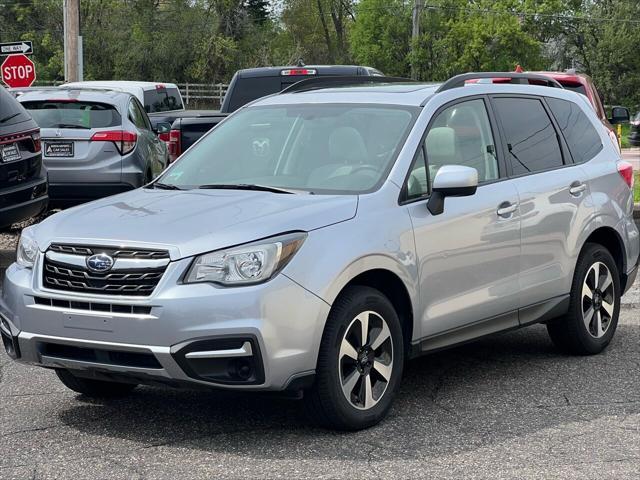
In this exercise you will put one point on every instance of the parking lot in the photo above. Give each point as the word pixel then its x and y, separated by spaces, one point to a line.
pixel 507 406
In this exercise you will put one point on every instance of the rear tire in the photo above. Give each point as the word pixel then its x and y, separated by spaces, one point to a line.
pixel 356 381
pixel 94 388
pixel 594 306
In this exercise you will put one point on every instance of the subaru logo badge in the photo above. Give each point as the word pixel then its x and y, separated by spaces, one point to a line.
pixel 100 263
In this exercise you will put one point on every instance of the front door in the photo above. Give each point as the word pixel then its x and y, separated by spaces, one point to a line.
pixel 469 255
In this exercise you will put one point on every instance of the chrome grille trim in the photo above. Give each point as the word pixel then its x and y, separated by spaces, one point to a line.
pixel 113 252
pixel 135 272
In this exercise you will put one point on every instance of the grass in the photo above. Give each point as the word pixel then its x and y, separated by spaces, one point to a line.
pixel 636 191
pixel 625 134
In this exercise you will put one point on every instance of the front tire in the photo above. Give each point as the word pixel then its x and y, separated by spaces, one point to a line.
pixel 360 361
pixel 94 388
pixel 594 306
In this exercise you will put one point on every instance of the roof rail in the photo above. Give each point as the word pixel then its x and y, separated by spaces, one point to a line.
pixel 517 78
pixel 339 81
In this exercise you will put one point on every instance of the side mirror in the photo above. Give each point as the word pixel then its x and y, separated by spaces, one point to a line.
pixel 162 127
pixel 619 115
pixel 451 181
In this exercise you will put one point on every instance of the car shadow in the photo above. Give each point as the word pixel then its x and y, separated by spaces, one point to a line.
pixel 469 397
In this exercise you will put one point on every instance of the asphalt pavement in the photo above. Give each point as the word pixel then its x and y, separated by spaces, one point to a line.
pixel 505 407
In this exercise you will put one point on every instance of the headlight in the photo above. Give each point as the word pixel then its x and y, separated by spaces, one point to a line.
pixel 27 248
pixel 247 264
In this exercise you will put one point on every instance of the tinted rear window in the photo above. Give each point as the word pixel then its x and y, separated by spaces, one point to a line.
pixel 531 137
pixel 162 100
pixel 246 90
pixel 82 115
pixel 10 110
pixel 581 136
pixel 574 87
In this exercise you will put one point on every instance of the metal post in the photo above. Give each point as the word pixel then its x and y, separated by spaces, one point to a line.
pixel 80 59
pixel 187 93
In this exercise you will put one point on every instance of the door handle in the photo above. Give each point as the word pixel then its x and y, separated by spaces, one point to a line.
pixel 506 209
pixel 576 188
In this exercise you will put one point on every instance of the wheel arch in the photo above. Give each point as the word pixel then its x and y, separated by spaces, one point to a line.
pixel 392 286
pixel 609 238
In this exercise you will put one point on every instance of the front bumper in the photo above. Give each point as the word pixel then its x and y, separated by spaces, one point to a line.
pixel 163 337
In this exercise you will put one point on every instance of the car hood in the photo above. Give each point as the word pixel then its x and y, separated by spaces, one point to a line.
pixel 194 221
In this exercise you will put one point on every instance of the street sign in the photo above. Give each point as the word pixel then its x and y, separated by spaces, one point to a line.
pixel 10 48
pixel 18 71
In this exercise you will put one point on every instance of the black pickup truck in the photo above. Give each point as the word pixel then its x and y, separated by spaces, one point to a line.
pixel 246 86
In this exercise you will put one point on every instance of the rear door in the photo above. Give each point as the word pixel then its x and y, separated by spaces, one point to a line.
pixel 151 151
pixel 554 200
pixel 67 127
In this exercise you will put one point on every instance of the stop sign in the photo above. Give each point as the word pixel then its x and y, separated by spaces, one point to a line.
pixel 18 71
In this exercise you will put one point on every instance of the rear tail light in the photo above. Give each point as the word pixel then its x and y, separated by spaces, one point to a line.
pixel 123 140
pixel 37 146
pixel 298 71
pixel 165 137
pixel 625 169
pixel 175 145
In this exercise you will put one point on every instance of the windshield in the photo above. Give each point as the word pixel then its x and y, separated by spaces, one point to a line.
pixel 72 114
pixel 340 149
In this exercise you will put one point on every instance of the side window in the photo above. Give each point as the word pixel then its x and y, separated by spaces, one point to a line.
pixel 531 138
pixel 461 135
pixel 580 134
pixel 136 116
pixel 417 182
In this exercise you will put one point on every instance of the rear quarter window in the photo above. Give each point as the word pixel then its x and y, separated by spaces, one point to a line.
pixel 162 100
pixel 581 136
pixel 10 110
pixel 81 115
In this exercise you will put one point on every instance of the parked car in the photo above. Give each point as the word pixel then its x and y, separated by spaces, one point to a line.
pixel 318 238
pixel 246 86
pixel 95 143
pixel 23 177
pixel 634 132
pixel 160 100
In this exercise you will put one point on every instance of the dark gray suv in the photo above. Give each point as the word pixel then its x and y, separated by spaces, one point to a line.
pixel 23 179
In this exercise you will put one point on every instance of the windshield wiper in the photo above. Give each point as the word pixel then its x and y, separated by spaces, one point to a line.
pixel 245 186
pixel 163 186
pixel 9 117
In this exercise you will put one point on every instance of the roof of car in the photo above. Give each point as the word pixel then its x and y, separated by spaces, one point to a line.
pixel 321 69
pixel 572 77
pixel 407 94
pixel 120 84
pixel 79 94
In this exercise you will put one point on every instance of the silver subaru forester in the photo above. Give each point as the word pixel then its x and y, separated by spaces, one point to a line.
pixel 318 238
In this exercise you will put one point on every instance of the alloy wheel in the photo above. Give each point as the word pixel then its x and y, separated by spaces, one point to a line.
pixel 598 300
pixel 365 360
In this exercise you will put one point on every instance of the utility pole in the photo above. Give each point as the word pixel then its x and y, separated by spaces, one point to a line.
pixel 418 6
pixel 71 33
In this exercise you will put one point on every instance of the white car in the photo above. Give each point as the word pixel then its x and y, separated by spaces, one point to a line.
pixel 155 97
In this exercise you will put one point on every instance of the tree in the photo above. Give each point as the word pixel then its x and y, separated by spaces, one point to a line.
pixel 380 35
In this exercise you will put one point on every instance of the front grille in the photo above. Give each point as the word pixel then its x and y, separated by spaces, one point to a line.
pixel 139 281
pixel 93 306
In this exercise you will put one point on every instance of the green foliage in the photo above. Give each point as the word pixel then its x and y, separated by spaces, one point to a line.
pixel 381 35
pixel 207 40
